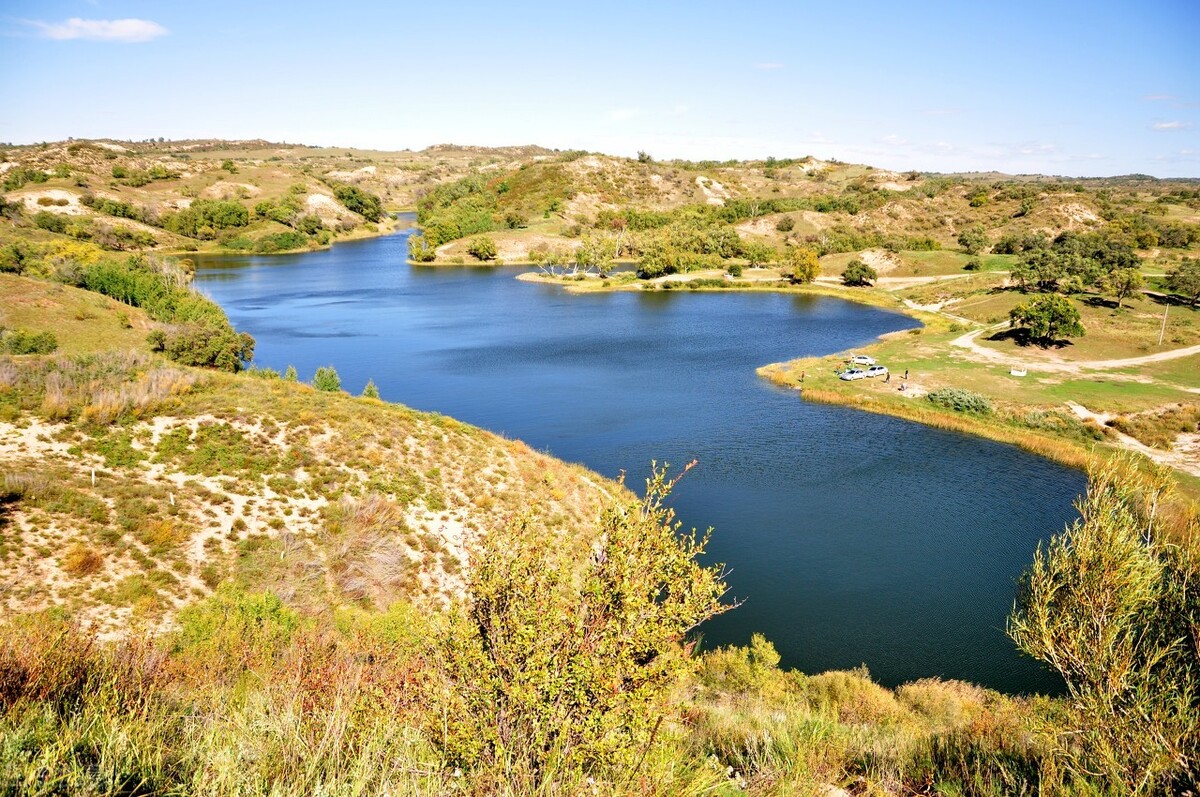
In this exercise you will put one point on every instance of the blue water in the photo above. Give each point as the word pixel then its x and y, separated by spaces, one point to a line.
pixel 851 538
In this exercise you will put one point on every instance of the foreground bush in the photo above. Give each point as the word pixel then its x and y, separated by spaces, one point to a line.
pixel 1114 608
pixel 552 674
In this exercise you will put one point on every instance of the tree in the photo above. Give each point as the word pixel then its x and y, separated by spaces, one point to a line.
pixel 973 239
pixel 370 391
pixel 1112 607
pixel 644 157
pixel 1185 279
pixel 290 374
pixel 596 252
pixel 557 667
pixel 859 273
pixel 1123 283
pixel 482 248
pixel 419 250
pixel 785 224
pixel 800 264
pixel 757 253
pixel 326 379
pixel 1047 318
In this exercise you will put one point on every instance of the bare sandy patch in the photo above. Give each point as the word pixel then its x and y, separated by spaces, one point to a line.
pixel 354 176
pixel 1076 214
pixel 224 189
pixel 764 225
pixel 881 260
pixel 325 206
pixel 714 192
pixel 587 206
pixel 72 208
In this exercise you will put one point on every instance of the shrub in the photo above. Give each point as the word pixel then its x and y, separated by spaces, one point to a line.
pixel 365 204
pixel 785 224
pixel 327 379
pixel 734 269
pixel 1111 605
pixel 51 222
pixel 960 400
pixel 370 391
pixel 555 670
pixel 234 629
pixel 482 248
pixel 974 264
pixel 21 341
pixel 207 346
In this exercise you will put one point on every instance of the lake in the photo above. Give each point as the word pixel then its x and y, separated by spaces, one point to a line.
pixel 851 538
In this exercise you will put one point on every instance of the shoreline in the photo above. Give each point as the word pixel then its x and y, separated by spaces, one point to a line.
pixel 1064 450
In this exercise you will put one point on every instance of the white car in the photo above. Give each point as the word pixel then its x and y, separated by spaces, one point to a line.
pixel 877 370
pixel 862 359
pixel 852 374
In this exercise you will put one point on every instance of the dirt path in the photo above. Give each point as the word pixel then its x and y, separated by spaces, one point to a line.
pixel 1184 456
pixel 1057 364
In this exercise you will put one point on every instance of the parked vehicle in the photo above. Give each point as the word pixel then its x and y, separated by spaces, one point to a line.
pixel 862 359
pixel 852 374
pixel 877 370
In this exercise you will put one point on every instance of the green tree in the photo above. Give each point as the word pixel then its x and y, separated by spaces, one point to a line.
pixel 370 391
pixel 1047 318
pixel 801 264
pixel 596 252
pixel 1123 283
pixel 556 667
pixel 1185 279
pixel 785 224
pixel 326 379
pixel 1112 606
pixel 290 374
pixel 859 273
pixel 973 239
pixel 757 253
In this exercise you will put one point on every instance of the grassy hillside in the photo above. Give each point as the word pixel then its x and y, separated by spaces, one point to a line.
pixel 136 486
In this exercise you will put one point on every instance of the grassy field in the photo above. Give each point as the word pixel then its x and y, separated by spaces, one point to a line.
pixel 82 322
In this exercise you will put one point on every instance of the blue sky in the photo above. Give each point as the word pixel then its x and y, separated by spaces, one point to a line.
pixel 1071 88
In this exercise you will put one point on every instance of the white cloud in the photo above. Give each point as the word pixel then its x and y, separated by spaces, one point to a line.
pixel 1171 125
pixel 103 30
pixel 768 65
